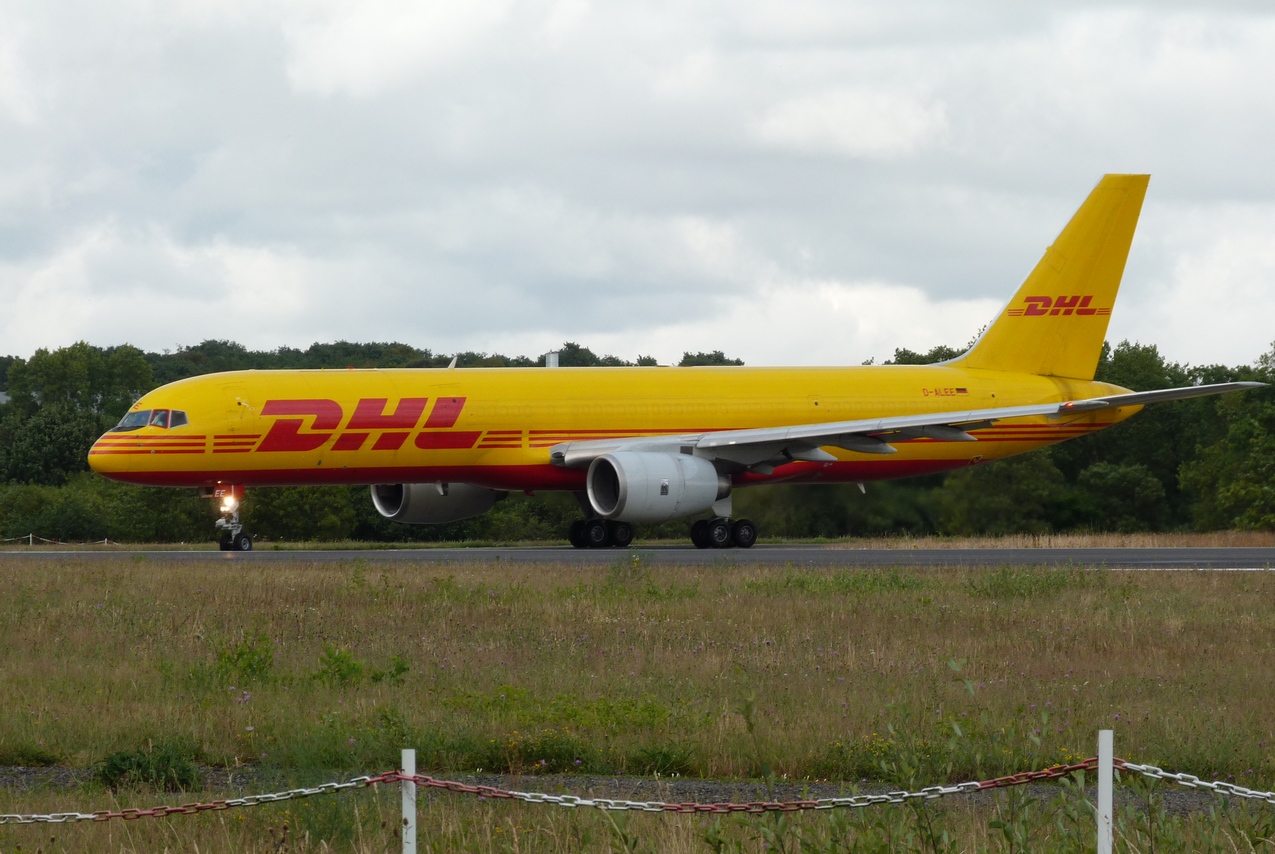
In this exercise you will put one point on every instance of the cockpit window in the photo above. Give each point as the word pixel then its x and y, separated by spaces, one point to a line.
pixel 151 418
pixel 133 421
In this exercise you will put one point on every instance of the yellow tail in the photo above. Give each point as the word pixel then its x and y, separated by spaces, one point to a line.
pixel 1056 323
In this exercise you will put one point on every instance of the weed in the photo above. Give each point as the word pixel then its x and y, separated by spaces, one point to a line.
pixel 665 760
pixel 1009 582
pixel 545 752
pixel 338 667
pixel 842 582
pixel 166 766
pixel 394 674
pixel 26 755
pixel 249 660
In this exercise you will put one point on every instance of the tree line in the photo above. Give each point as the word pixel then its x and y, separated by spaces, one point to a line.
pixel 1204 464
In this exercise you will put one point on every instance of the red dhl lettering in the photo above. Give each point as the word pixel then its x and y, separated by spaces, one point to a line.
pixel 308 424
pixel 285 434
pixel 1042 306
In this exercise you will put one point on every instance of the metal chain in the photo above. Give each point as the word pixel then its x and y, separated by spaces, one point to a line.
pixel 192 809
pixel 852 802
pixel 1193 782
pixel 574 801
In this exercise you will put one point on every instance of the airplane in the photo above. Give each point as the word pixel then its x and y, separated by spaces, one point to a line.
pixel 651 444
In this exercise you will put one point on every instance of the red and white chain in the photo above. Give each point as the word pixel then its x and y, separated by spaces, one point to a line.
pixel 1193 782
pixel 192 809
pixel 569 801
pixel 574 801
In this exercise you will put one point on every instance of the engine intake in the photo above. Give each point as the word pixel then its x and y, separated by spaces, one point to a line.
pixel 642 486
pixel 433 503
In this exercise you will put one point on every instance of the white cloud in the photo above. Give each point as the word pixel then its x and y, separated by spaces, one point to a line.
pixel 364 48
pixel 821 180
pixel 1213 300
pixel 814 322
pixel 856 123
pixel 18 97
pixel 113 285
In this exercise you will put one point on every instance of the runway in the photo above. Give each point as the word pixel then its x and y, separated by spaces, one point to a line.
pixel 1253 559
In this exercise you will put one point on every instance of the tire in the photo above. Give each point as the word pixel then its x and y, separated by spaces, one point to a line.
pixel 699 535
pixel 743 534
pixel 596 535
pixel 224 543
pixel 718 534
pixel 621 534
pixel 242 543
pixel 576 534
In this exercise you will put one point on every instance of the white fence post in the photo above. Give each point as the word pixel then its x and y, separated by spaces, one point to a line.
pixel 1106 748
pixel 409 802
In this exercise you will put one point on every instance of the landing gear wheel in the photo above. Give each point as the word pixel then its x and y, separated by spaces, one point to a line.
pixel 743 533
pixel 621 534
pixel 718 534
pixel 596 535
pixel 699 534
pixel 242 543
pixel 226 537
pixel 576 534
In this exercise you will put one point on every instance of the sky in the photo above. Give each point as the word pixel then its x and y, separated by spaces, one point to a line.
pixel 798 182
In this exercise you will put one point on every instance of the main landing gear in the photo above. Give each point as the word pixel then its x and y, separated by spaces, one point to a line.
pixel 722 533
pixel 599 534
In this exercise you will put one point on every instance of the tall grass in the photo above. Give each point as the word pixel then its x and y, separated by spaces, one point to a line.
pixel 893 676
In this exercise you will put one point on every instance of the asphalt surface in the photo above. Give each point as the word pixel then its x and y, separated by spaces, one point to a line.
pixel 762 555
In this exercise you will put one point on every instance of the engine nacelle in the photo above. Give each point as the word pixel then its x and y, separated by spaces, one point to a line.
pixel 642 486
pixel 433 503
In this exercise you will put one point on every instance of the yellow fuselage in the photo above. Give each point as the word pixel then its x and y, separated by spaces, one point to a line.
pixel 495 427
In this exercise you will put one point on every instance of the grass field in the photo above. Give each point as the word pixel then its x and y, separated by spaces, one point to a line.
pixel 907 677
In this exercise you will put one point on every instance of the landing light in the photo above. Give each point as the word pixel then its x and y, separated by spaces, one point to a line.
pixel 228 504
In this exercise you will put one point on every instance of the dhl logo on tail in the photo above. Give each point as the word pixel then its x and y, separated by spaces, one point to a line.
pixel 1038 306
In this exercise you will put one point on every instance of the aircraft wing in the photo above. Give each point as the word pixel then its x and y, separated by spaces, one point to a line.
pixel 776 445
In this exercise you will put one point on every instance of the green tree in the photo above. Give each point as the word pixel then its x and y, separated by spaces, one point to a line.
pixel 81 377
pixel 5 362
pixel 717 357
pixel 1026 494
pixel 1231 483
pixel 1122 497
pixel 300 512
pixel 49 445
pixel 841 510
pixel 904 356
pixel 1160 438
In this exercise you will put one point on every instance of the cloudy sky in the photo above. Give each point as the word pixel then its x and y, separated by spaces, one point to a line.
pixel 797 182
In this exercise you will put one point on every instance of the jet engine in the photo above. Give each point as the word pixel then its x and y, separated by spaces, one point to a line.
pixel 433 503
pixel 643 486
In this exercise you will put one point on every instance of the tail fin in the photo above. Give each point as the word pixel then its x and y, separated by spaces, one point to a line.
pixel 1056 323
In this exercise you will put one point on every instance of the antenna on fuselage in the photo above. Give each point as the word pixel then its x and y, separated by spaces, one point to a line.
pixel 452 364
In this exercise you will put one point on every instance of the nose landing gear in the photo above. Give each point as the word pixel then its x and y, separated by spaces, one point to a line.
pixel 722 533
pixel 233 538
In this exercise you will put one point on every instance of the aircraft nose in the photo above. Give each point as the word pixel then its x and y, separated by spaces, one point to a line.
pixel 107 458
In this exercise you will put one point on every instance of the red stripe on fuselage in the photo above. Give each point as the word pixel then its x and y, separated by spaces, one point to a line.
pixel 531 477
